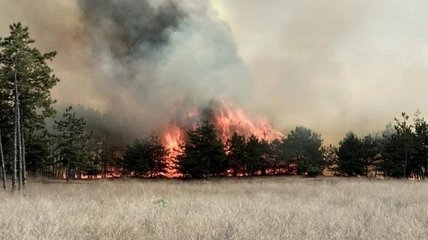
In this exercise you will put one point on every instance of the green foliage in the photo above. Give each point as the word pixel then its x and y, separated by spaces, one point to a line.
pixel 146 157
pixel 254 153
pixel 236 153
pixel 160 202
pixel 22 62
pixel 35 79
pixel 350 156
pixel 72 141
pixel 38 152
pixel 404 152
pixel 304 148
pixel 203 154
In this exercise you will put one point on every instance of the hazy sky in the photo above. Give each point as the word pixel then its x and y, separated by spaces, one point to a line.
pixel 332 65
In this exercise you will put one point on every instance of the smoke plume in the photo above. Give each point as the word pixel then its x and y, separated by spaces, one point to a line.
pixel 136 65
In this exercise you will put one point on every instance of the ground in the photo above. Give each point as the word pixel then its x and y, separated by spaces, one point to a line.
pixel 256 208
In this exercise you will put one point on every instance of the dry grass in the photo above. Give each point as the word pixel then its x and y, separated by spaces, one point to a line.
pixel 270 208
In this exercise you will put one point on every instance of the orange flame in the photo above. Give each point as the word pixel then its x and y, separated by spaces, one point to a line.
pixel 226 118
pixel 229 120
pixel 173 139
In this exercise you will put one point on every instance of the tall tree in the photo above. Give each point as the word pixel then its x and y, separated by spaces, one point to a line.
pixel 25 84
pixel 203 154
pixel 254 161
pixel 370 153
pixel 399 152
pixel 304 147
pixel 237 154
pixel 420 163
pixel 135 158
pixel 39 153
pixel 405 135
pixel 72 140
pixel 157 157
pixel 350 156
pixel 146 157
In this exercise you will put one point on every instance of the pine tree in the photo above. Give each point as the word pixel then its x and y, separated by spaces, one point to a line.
pixel 304 147
pixel 157 157
pixel 350 156
pixel 237 154
pixel 203 154
pixel 72 141
pixel 25 84
pixel 254 149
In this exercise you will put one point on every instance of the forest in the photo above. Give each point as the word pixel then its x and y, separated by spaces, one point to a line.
pixel 68 149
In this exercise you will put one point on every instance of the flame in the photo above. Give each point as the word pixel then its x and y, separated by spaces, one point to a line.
pixel 226 118
pixel 173 139
pixel 229 120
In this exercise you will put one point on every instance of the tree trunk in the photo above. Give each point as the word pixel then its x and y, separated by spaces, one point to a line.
pixel 24 164
pixel 67 171
pixel 3 170
pixel 15 137
pixel 104 170
pixel 19 146
pixel 405 164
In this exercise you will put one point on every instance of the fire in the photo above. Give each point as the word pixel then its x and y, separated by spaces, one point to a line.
pixel 227 119
pixel 173 139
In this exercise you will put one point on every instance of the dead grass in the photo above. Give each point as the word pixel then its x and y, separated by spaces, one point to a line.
pixel 268 208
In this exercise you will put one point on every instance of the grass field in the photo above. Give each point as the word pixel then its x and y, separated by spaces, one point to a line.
pixel 258 208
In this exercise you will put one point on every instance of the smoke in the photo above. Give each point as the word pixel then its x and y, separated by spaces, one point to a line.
pixel 136 65
pixel 139 62
pixel 150 59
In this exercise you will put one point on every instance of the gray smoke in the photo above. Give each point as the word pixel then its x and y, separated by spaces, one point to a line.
pixel 151 60
pixel 130 29
pixel 333 65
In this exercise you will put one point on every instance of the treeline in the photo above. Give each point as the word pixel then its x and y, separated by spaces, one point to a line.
pixel 26 144
pixel 68 150
pixel 401 151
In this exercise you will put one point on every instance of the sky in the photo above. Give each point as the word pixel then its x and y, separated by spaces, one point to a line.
pixel 331 65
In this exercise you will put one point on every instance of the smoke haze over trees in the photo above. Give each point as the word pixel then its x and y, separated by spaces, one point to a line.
pixel 139 68
pixel 284 60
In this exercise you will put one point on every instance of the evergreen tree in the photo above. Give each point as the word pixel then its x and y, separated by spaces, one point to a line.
pixel 351 161
pixel 25 84
pixel 38 153
pixel 203 154
pixel 399 149
pixel 254 149
pixel 236 154
pixel 157 157
pixel 275 156
pixel 146 158
pixel 420 163
pixel 135 158
pixel 304 147
pixel 370 153
pixel 72 142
